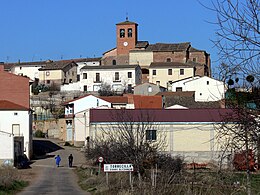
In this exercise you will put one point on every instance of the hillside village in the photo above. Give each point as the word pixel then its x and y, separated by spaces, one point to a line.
pixel 169 84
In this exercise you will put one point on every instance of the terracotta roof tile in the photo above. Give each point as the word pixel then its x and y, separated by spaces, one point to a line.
pixel 168 47
pixel 115 99
pixel 162 115
pixel 126 22
pixel 7 105
pixel 147 102
pixel 58 65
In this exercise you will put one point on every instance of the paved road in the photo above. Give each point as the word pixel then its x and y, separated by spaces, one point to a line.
pixel 50 179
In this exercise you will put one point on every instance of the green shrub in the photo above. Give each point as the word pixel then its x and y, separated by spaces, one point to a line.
pixel 38 133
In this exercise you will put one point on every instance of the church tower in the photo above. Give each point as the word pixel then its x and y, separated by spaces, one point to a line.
pixel 126 33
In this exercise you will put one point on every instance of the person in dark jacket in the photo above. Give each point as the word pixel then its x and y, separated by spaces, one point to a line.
pixel 70 160
pixel 58 159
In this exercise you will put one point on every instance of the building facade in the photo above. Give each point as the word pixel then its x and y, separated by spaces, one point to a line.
pixel 120 78
pixel 189 133
pixel 206 89
pixel 129 50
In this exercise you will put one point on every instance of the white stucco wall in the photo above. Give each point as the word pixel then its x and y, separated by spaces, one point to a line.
pixel 108 76
pixel 81 126
pixel 22 118
pixel 82 64
pixel 181 83
pixel 193 141
pixel 206 89
pixel 77 86
pixel 163 77
pixel 87 102
pixel 30 71
pixel 7 147
pixel 144 59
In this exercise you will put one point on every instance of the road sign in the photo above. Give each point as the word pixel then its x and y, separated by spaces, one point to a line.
pixel 118 167
pixel 100 159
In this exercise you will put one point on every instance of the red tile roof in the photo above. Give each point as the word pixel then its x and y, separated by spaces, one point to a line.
pixel 161 115
pixel 115 99
pixel 7 105
pixel 147 101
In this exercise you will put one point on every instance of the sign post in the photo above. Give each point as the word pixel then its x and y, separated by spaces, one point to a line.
pixel 119 168
pixel 100 160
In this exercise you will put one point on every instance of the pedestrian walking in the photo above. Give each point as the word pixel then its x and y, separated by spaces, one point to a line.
pixel 58 159
pixel 70 160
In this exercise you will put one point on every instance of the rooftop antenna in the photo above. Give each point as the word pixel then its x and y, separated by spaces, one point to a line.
pixel 126 16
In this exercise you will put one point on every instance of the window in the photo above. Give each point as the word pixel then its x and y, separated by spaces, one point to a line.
pixel 70 81
pixel 85 88
pixel 200 93
pixel 130 31
pixel 154 72
pixel 85 75
pixel 129 74
pixel 48 81
pixel 97 77
pixel 181 71
pixel 122 33
pixel 47 73
pixel 158 83
pixel 116 76
pixel 78 77
pixel 169 71
pixel 150 135
pixel 178 88
pixel 207 82
pixel 20 68
pixel 16 129
pixel 114 62
pixel 168 60
pixel 194 59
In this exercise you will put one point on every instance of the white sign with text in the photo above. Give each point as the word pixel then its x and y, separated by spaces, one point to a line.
pixel 118 167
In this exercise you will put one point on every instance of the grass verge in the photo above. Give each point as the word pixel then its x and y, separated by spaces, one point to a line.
pixel 10 181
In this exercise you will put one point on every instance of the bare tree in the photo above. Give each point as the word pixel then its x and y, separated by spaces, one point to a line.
pixel 238 35
pixel 105 90
pixel 240 133
pixel 131 138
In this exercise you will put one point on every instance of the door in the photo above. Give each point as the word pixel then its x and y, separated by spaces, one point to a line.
pixel 69 131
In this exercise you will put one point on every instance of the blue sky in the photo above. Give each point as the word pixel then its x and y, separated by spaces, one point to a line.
pixel 33 30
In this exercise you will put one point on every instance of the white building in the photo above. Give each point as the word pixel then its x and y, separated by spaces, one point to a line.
pixel 206 88
pixel 119 77
pixel 86 62
pixel 77 117
pixel 15 132
pixel 29 69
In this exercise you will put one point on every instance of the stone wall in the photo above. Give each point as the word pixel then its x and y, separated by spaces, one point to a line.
pixel 53 128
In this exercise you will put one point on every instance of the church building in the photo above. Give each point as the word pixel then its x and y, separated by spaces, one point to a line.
pixel 130 51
